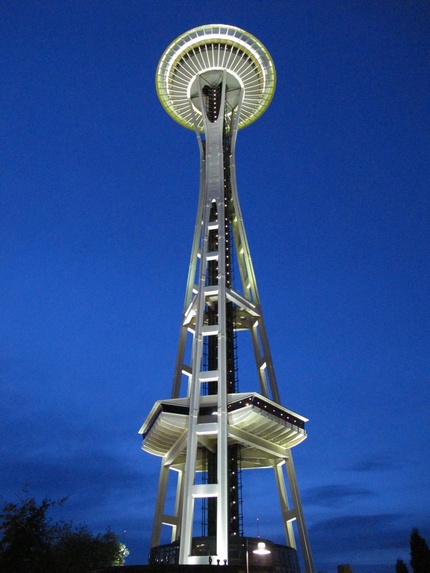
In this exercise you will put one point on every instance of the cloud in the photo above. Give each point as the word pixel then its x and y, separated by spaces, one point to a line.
pixel 90 478
pixel 335 495
pixel 56 458
pixel 360 533
pixel 368 542
pixel 383 462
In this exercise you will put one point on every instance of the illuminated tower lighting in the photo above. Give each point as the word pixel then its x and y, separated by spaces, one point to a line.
pixel 215 80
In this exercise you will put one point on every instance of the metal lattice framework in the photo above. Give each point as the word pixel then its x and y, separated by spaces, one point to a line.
pixel 216 79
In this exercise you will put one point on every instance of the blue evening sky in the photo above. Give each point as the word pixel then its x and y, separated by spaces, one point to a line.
pixel 98 194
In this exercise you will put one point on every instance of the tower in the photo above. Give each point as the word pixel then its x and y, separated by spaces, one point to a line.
pixel 215 80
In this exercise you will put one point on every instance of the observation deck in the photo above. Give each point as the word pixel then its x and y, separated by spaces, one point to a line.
pixel 205 54
pixel 265 429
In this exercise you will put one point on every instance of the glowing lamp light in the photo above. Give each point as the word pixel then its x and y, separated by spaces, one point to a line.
pixel 261 549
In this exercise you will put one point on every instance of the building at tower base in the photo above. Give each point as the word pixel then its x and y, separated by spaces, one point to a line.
pixel 245 554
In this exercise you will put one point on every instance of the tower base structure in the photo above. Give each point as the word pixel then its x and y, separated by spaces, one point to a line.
pixel 246 555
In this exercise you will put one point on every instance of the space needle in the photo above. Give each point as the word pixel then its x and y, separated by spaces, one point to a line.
pixel 215 80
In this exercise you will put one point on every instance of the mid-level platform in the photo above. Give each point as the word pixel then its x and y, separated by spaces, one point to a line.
pixel 264 429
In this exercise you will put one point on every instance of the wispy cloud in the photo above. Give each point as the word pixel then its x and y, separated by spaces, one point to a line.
pixel 335 495
pixel 364 532
pixel 384 462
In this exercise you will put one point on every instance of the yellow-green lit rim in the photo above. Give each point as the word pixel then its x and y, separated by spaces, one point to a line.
pixel 174 104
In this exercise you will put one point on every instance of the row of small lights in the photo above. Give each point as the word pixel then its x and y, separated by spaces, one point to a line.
pixel 274 410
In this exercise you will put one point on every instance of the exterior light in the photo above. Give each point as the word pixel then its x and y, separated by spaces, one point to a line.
pixel 261 549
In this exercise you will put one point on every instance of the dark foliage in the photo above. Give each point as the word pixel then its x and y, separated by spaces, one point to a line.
pixel 420 553
pixel 401 566
pixel 30 543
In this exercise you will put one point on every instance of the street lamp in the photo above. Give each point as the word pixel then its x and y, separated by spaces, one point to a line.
pixel 260 550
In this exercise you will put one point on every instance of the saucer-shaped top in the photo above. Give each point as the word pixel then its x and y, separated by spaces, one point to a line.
pixel 202 55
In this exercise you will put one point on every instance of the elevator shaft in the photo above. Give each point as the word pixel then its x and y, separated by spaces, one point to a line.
pixel 213 95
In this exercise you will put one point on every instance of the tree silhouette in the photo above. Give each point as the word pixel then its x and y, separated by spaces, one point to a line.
pixel 25 542
pixel 401 566
pixel 420 553
pixel 30 543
